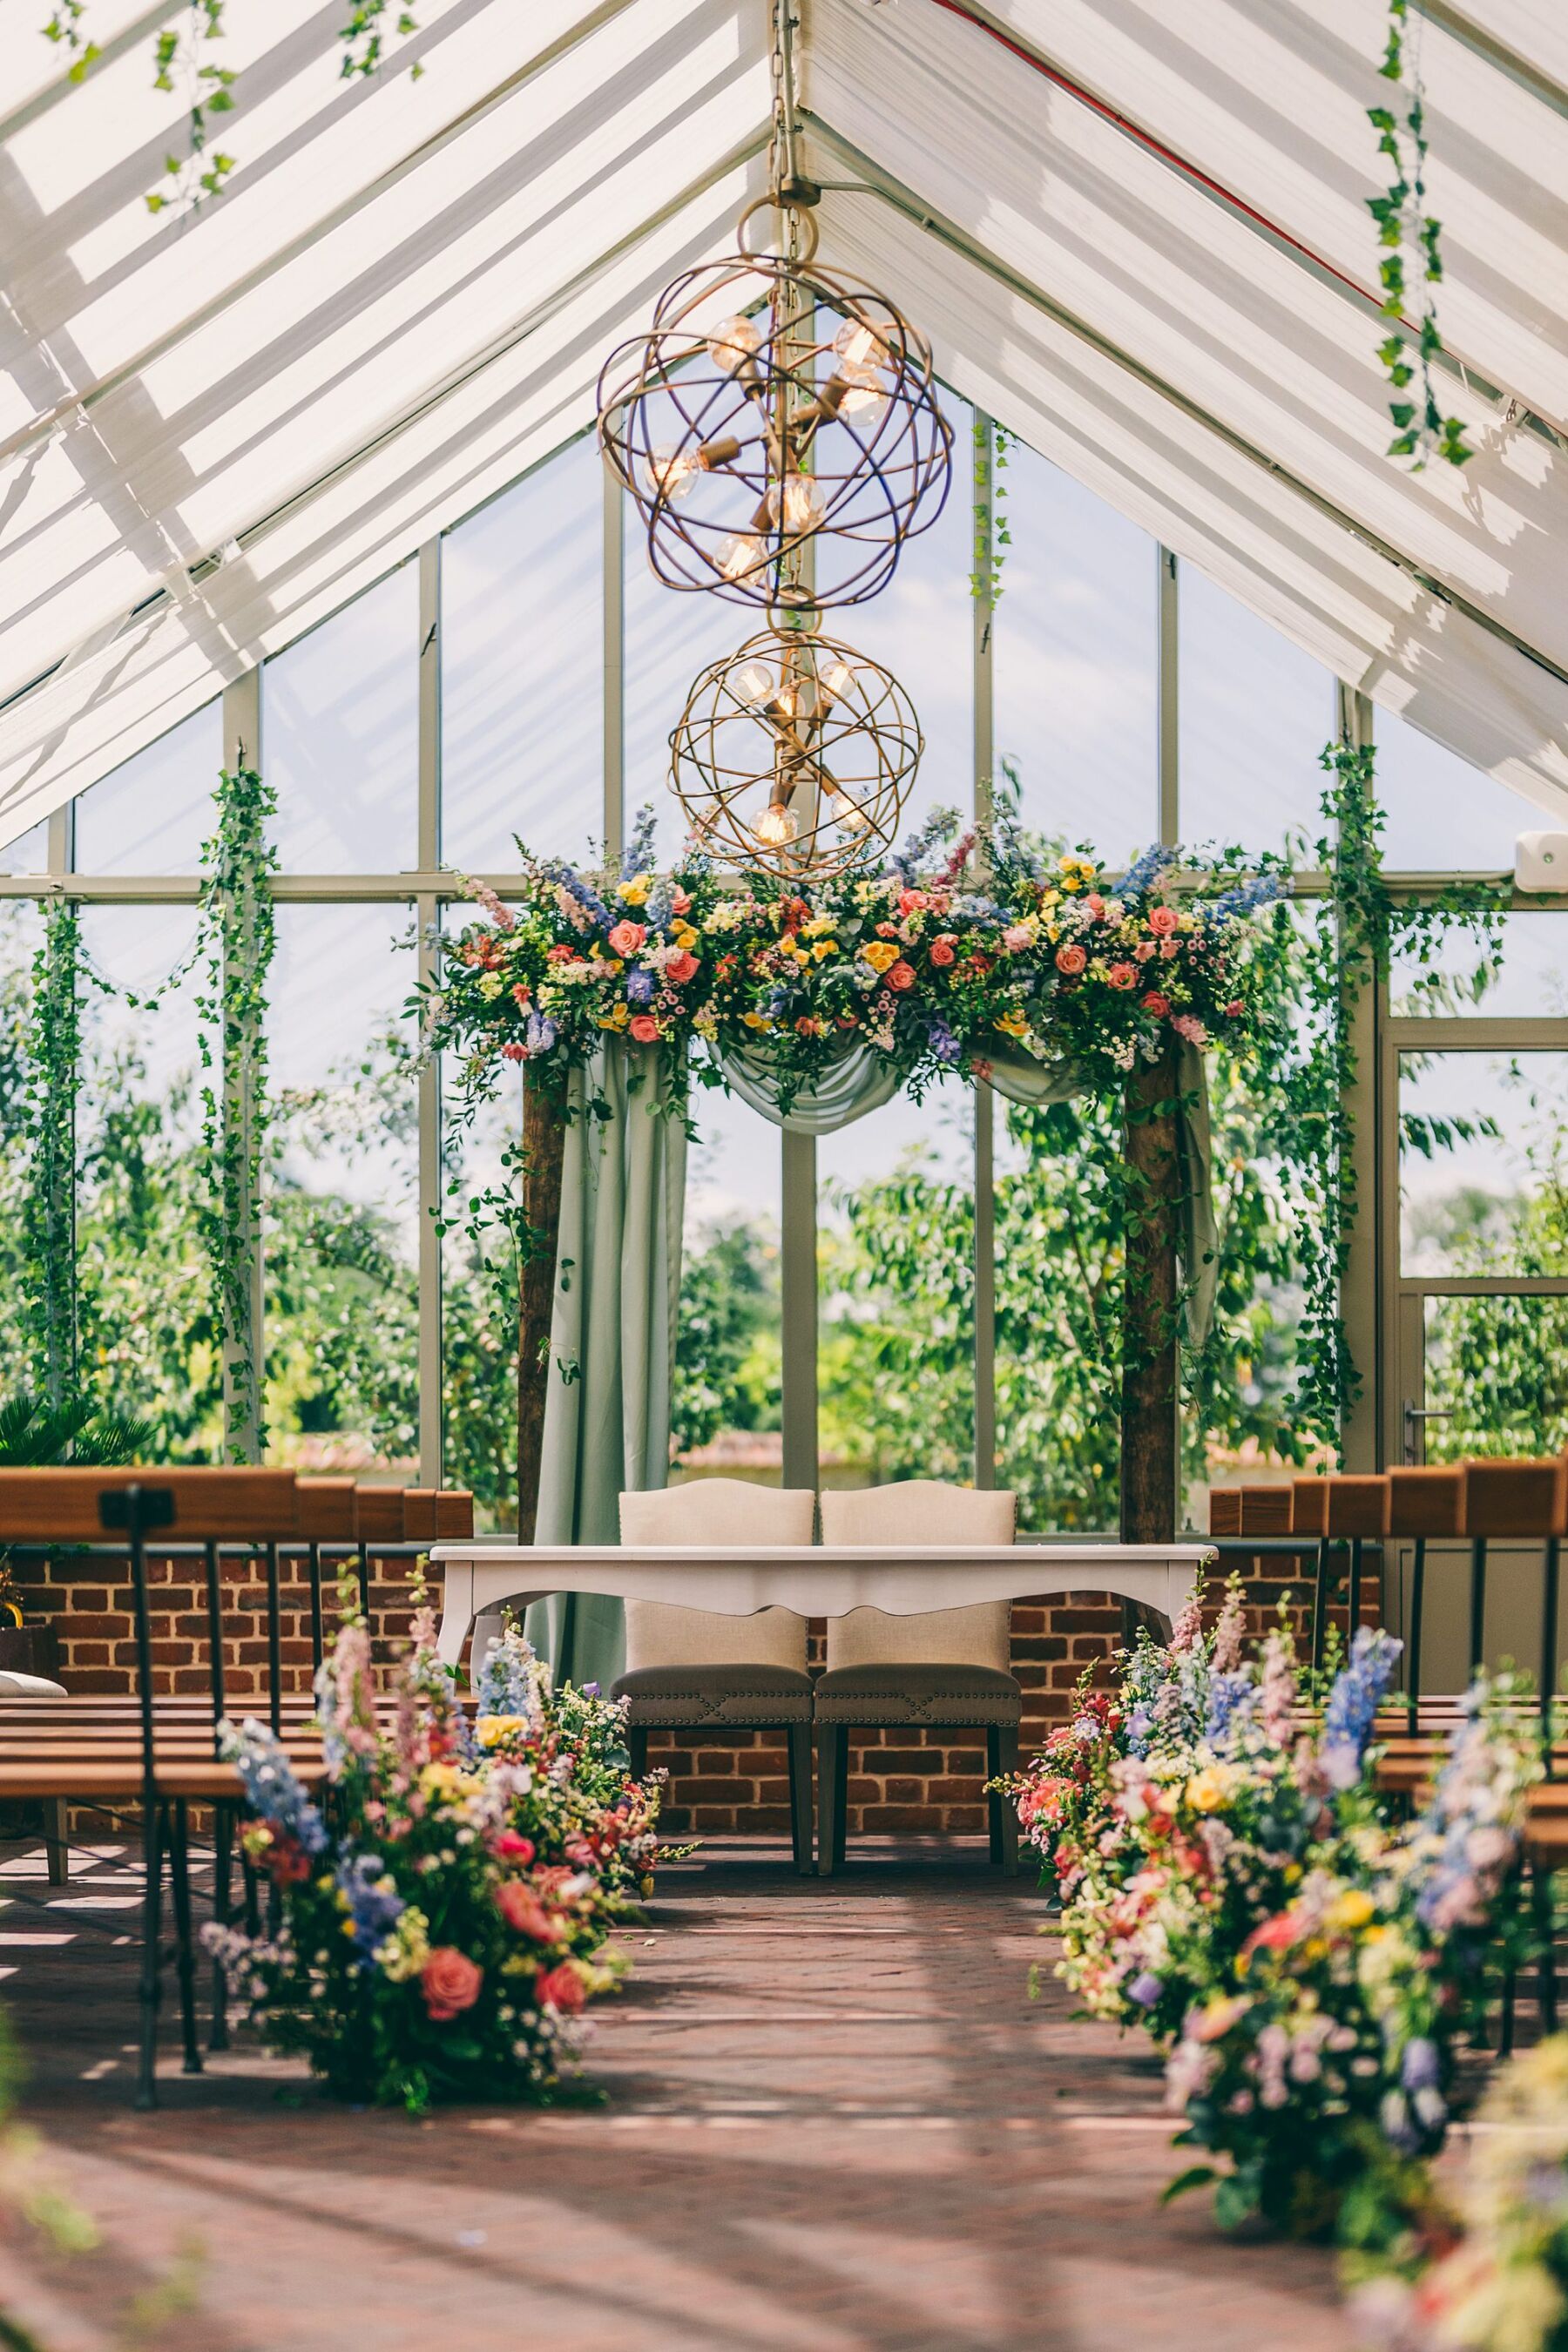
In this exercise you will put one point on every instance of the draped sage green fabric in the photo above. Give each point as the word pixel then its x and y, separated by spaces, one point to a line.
pixel 612 1340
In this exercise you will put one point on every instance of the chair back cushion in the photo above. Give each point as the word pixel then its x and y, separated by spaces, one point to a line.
pixel 715 1511
pixel 920 1511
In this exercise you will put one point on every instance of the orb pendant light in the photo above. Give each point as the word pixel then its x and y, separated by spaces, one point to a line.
pixel 794 754
pixel 778 427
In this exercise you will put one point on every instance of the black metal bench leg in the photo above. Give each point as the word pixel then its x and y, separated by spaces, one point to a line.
pixel 184 1945
pixel 1321 1605
pixel 799 1736
pixel 152 1991
pixel 1478 1605
pixel 1417 1601
pixel 223 1889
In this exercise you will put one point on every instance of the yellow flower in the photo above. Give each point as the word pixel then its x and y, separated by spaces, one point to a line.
pixel 757 1020
pixel 1011 1024
pixel 815 929
pixel 492 1729
pixel 1208 1791
pixel 616 1018
pixel 706 1025
pixel 490 986
pixel 880 954
pixel 634 893
pixel 685 937
pixel 829 947
pixel 1352 1909
pixel 440 1779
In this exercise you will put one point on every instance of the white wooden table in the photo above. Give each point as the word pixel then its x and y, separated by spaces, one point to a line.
pixel 816 1580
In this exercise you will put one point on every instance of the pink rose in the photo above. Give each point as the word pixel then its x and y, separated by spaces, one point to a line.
pixel 681 902
pixel 560 1988
pixel 942 947
pixel 1095 903
pixel 1121 975
pixel 681 967
pixel 1070 960
pixel 521 1907
pixel 626 937
pixel 902 975
pixel 645 1029
pixel 911 902
pixel 1157 1005
pixel 451 1982
pixel 514 1848
pixel 1163 920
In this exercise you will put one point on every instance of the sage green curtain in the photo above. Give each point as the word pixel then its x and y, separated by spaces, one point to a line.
pixel 612 1340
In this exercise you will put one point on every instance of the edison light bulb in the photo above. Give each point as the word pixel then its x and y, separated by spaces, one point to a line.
pixel 733 341
pixel 837 679
pixel 738 555
pixel 753 683
pixel 776 827
pixel 671 472
pixel 859 347
pixel 850 817
pixel 866 403
pixel 804 502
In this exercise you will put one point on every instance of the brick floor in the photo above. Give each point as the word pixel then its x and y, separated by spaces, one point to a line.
pixel 833 2121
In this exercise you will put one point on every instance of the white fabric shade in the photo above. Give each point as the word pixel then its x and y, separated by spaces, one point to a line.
pixel 402 296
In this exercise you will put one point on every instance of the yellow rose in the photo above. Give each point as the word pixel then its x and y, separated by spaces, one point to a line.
pixel 1208 1791
pixel 757 1020
pixel 440 1779
pixel 492 1729
pixel 880 954
pixel 634 893
pixel 1352 1909
pixel 829 947
pixel 685 937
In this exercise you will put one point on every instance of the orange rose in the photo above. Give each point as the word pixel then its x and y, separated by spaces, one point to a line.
pixel 902 975
pixel 451 1982
pixel 1163 920
pixel 681 967
pixel 645 1029
pixel 560 1988
pixel 941 948
pixel 1070 960
pixel 1121 975
pixel 521 1907
pixel 626 937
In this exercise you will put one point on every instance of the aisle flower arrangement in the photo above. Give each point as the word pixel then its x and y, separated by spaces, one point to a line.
pixel 965 946
pixel 1230 1883
pixel 1492 2276
pixel 444 1902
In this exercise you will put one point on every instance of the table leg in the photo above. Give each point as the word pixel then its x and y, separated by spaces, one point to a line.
pixel 456 1609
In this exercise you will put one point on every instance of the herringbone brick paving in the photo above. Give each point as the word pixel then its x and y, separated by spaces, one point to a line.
pixel 833 2122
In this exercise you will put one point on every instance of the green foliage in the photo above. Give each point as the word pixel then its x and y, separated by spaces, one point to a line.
pixel 729 1304
pixel 992 535
pixel 1404 227
pixel 34 1434
pixel 50 1070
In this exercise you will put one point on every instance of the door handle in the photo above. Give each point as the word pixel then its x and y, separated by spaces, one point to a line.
pixel 1412 1414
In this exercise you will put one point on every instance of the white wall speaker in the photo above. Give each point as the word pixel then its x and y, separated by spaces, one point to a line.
pixel 1540 861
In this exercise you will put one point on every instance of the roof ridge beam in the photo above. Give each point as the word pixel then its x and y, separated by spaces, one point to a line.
pixel 893 192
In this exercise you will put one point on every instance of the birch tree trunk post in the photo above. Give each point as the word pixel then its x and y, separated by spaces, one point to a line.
pixel 1151 1453
pixel 544 1147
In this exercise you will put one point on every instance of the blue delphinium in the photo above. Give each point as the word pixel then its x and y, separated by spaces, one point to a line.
pixel 642 845
pixel 566 877
pixel 1233 1701
pixel 1145 871
pixel 1353 1703
pixel 1243 898
pixel 639 988
pixel 272 1787
pixel 944 1045
pixel 375 1903
pixel 509 1677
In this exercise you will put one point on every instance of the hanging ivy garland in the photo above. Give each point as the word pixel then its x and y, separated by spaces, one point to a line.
pixel 993 445
pixel 201 171
pixel 53 1056
pixel 238 940
pixel 1404 227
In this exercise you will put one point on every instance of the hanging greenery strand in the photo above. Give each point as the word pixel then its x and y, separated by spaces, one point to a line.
pixel 1406 228
pixel 53 1068
pixel 238 938
pixel 992 442
pixel 198 173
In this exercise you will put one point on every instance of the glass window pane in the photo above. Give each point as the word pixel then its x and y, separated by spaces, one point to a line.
pixel 29 853
pixel 343 1204
pixel 896 1259
pixel 340 736
pixel 728 1351
pixel 1075 660
pixel 152 816
pixel 1533 979
pixel 522 670
pixel 1482 1164
pixel 1441 813
pixel 921 628
pixel 146 1335
pixel 1498 1367
pixel 1254 714
pixel 1059 1290
pixel 669 640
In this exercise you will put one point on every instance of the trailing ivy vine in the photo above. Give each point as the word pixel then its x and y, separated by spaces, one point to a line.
pixel 53 1060
pixel 238 936
pixel 993 445
pixel 1407 232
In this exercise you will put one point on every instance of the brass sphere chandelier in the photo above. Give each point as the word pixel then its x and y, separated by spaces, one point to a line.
pixel 776 406
pixel 794 754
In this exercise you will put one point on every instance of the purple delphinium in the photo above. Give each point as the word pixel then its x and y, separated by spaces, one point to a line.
pixel 944 1043
pixel 374 1904
pixel 639 988
pixel 1233 1700
pixel 539 1034
pixel 271 1785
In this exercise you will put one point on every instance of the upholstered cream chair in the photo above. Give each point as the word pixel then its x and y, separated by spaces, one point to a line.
pixel 693 1669
pixel 948 1666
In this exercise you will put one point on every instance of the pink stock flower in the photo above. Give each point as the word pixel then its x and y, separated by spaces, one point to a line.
pixel 1189 1624
pixel 1016 938
pixel 1227 1635
pixel 1187 1025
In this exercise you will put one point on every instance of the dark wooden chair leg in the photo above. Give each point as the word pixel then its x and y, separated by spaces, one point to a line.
pixel 636 1749
pixel 993 1802
pixel 841 1793
pixel 56 1846
pixel 831 1761
pixel 1545 1932
pixel 1003 1743
pixel 799 1735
